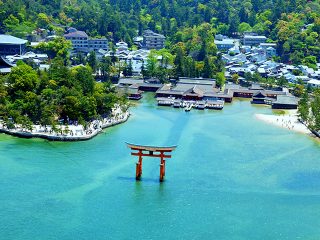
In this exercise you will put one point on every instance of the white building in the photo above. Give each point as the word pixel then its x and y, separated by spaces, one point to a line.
pixel 36 57
pixel 253 40
pixel 122 46
pixel 152 40
pixel 82 43
pixel 245 49
pixel 271 52
pixel 12 45
pixel 138 59
pixel 314 83
pixel 306 70
pixel 267 45
pixel 225 44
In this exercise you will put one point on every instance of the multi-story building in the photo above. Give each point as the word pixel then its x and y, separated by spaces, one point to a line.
pixel 98 43
pixel 253 40
pixel 82 43
pixel 225 44
pixel 152 40
pixel 79 39
pixel 10 45
pixel 122 46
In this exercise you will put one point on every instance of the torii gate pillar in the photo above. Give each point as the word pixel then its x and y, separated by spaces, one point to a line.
pixel 139 166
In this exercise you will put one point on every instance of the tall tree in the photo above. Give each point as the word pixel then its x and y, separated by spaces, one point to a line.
pixel 92 60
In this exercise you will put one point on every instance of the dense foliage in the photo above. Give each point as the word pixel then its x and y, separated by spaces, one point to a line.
pixel 121 18
pixel 294 24
pixel 309 110
pixel 61 93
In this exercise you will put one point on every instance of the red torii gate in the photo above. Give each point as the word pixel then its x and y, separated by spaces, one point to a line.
pixel 151 151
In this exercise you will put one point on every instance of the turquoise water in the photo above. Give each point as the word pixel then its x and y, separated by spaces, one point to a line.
pixel 231 177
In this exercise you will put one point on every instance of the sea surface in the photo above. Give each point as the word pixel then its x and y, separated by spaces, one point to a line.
pixel 231 177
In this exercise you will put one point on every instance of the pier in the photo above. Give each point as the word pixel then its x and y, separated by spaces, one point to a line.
pixel 188 105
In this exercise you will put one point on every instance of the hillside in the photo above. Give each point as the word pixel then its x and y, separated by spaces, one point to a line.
pixel 279 20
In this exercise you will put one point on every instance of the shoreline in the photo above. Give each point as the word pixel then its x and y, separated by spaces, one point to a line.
pixel 75 132
pixel 287 121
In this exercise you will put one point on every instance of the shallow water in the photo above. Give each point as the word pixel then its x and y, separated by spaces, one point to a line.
pixel 231 177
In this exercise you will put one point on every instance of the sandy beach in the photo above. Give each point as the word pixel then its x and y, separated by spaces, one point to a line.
pixel 289 121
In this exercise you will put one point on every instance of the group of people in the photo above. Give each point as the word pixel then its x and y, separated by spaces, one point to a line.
pixel 286 123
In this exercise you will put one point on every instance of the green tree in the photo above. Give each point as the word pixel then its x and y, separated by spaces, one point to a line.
pixel 43 20
pixel 11 22
pixel 282 81
pixel 235 78
pixel 244 27
pixel 310 61
pixel 105 68
pixel 21 79
pixel 83 76
pixel 152 64
pixel 59 47
pixel 315 110
pixel 92 61
pixel 220 79
pixel 303 107
pixel 298 90
pixel 127 71
pixel 208 68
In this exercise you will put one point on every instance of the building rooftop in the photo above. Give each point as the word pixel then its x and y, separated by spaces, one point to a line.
pixel 285 99
pixel 5 70
pixel 8 39
pixel 121 43
pixel 314 81
pixel 151 33
pixel 130 81
pixel 188 87
pixel 98 39
pixel 268 44
pixel 76 34
pixel 197 81
pixel 254 37
pixel 259 94
pixel 225 41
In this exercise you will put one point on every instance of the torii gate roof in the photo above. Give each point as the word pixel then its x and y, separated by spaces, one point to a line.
pixel 151 148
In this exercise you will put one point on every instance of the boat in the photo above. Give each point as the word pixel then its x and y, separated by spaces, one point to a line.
pixel 134 97
pixel 217 104
pixel 164 101
pixel 176 103
pixel 188 108
pixel 201 105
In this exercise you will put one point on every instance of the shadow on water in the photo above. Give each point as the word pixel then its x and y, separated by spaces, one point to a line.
pixel 133 179
pixel 304 181
pixel 177 129
pixel 139 184
pixel 180 119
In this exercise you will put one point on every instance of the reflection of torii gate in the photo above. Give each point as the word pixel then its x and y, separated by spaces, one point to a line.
pixel 149 151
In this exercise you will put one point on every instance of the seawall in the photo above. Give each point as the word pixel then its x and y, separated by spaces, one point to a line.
pixel 62 137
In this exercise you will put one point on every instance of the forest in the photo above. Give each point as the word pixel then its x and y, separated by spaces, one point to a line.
pixel 190 26
pixel 293 24
pixel 59 95
pixel 309 110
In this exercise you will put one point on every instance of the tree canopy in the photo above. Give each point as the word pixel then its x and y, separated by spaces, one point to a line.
pixel 294 24
pixel 61 93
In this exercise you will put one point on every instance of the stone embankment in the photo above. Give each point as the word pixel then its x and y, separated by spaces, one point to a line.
pixel 70 132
